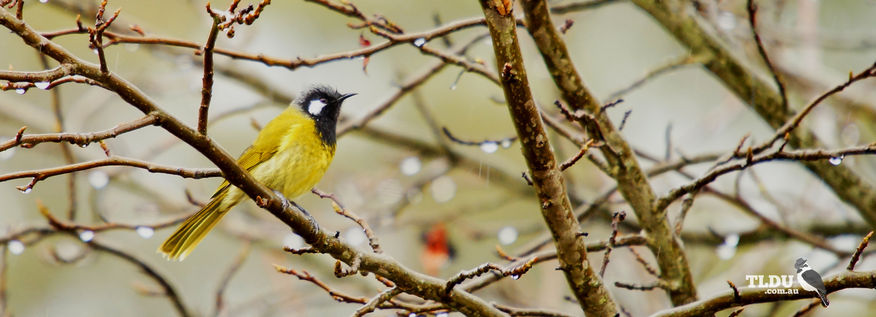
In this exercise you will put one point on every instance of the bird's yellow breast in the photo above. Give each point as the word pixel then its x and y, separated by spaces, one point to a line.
pixel 287 156
pixel 301 159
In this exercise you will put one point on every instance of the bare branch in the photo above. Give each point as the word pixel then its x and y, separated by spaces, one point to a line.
pixel 749 295
pixel 857 255
pixel 38 175
pixel 80 139
pixel 207 81
pixel 546 177
pixel 169 291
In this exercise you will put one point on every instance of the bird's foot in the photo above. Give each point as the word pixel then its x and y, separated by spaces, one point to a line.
pixel 288 203
pixel 313 223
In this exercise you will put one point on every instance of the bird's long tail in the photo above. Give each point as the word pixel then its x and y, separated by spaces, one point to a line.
pixel 824 301
pixel 195 228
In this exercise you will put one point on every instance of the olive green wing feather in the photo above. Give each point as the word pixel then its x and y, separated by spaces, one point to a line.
pixel 267 144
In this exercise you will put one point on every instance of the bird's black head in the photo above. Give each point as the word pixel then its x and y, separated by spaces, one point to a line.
pixel 323 104
pixel 801 263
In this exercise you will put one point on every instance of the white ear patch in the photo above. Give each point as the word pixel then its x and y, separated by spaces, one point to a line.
pixel 315 106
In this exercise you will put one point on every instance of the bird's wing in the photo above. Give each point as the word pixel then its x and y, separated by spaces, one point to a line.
pixel 814 279
pixel 268 142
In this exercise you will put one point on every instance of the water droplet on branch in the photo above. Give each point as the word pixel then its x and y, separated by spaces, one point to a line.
pixel 420 42
pixel 42 85
pixel 836 160
pixel 489 147
pixel 20 91
pixel 731 240
pixel 86 236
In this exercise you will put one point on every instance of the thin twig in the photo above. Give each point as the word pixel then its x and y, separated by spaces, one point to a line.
pixel 616 218
pixel 735 290
pixel 515 272
pixel 339 209
pixel 798 155
pixel 80 139
pixel 574 159
pixel 667 67
pixel 504 142
pixel 513 311
pixel 38 175
pixel 647 266
pixel 372 304
pixel 642 287
pixel 408 85
pixel 336 295
pixel 752 22
pixel 857 255
pixel 207 81
pixel 580 5
pixel 96 34
pixel 790 125
pixel 169 291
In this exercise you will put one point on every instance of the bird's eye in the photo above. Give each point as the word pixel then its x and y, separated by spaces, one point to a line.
pixel 323 100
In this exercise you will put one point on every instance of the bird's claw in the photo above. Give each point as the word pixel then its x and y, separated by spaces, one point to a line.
pixel 282 199
pixel 288 203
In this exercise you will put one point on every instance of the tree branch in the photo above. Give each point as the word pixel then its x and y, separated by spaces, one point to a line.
pixel 631 180
pixel 407 280
pixel 747 296
pixel 548 181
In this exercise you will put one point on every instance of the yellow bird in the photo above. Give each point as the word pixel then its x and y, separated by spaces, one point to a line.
pixel 290 155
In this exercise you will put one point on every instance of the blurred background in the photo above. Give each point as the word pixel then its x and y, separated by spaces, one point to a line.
pixel 420 201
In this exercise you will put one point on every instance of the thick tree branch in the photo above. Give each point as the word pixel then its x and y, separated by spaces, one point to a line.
pixel 632 181
pixel 548 181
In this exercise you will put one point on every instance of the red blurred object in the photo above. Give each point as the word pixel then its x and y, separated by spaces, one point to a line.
pixel 364 42
pixel 439 251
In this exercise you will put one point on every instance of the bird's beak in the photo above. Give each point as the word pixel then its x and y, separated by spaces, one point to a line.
pixel 344 97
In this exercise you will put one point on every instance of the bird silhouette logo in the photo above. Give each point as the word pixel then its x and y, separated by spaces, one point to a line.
pixel 811 280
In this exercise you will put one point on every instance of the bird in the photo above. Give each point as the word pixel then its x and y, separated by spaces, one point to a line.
pixel 811 280
pixel 289 155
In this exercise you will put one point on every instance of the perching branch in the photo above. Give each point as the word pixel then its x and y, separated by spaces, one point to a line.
pixel 409 281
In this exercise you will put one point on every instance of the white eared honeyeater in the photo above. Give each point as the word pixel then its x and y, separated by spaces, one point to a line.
pixel 290 155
